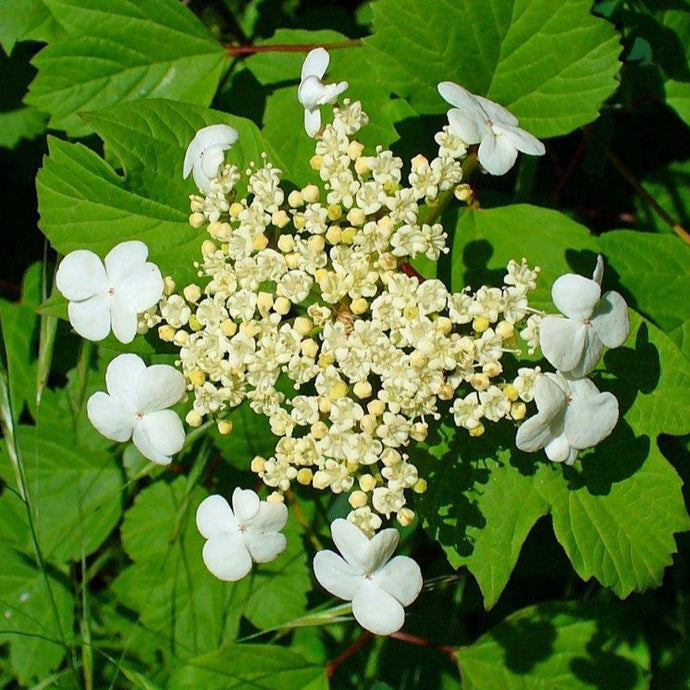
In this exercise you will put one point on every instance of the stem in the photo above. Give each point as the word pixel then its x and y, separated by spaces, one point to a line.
pixel 352 649
pixel 302 519
pixel 291 48
pixel 420 641
pixel 628 175
pixel 47 331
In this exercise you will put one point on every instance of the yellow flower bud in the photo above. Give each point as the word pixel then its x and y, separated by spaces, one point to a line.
pixel 224 427
pixel 463 192
pixel 367 483
pixel 286 243
pixel 192 293
pixel 477 430
pixel 295 199
pixel 166 333
pixel 405 516
pixel 333 234
pixel 443 325
pixel 325 405
pixel 228 328
pixel 259 242
pixel 418 359
pixel 194 323
pixel 347 235
pixel 510 392
pixel 363 165
pixel 193 418
pixel 376 407
pixel 359 306
pixel 309 348
pixel 235 209
pixel 518 410
pixel 181 338
pixel 310 194
pixel 319 430
pixel 368 424
pixel 304 476
pixel 480 324
pixel 480 382
pixel 315 162
pixel 338 391
pixel 316 244
pixel 420 486
pixel 356 216
pixel 275 497
pixel 197 377
pixel 168 285
pixel 282 305
pixel 258 464
pixel 357 499
pixel 334 212
pixel 298 220
pixel 492 369
pixel 196 220
pixel 280 219
pixel 354 150
pixel 208 247
pixel 446 391
pixel 505 329
pixel 362 389
pixel 303 325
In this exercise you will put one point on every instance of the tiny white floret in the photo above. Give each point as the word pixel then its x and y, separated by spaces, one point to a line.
pixel 109 293
pixel 378 586
pixel 135 407
pixel 574 344
pixel 477 120
pixel 205 153
pixel 573 415
pixel 247 533
pixel 313 93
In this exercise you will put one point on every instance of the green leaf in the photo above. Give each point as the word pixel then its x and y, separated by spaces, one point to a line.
pixel 36 631
pixel 556 645
pixel 255 666
pixel 480 505
pixel 84 204
pixel 552 65
pixel 75 492
pixel 245 666
pixel 26 20
pixel 119 50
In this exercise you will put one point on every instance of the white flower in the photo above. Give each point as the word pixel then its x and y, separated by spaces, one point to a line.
pixel 365 574
pixel 313 93
pixel 477 120
pixel 574 344
pixel 101 296
pixel 205 155
pixel 248 532
pixel 135 407
pixel 573 415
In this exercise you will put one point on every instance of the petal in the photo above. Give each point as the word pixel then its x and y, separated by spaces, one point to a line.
pixel 591 354
pixel 159 435
pixel 123 316
pixel 610 320
pixel 551 395
pixel 202 181
pixel 352 543
pixel 91 317
pixel 213 135
pixel 457 96
pixel 214 516
pixel 143 286
pixel 271 517
pixel 81 275
pixel 331 92
pixel 598 274
pixel 337 576
pixel 381 547
pixel 245 504
pixel 121 378
pixel 210 160
pixel 467 125
pixel 227 557
pixel 496 154
pixel 558 450
pixel 315 64
pixel 110 417
pixel 562 341
pixel 590 420
pixel 376 610
pixel 575 296
pixel 401 578
pixel 123 258
pixel 158 387
pixel 524 141
pixel 496 113
pixel 265 548
pixel 312 122
pixel 533 434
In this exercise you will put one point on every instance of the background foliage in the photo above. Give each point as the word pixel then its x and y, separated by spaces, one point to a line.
pixel 537 575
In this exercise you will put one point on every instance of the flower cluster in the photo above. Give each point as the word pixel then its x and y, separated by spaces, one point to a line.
pixel 307 312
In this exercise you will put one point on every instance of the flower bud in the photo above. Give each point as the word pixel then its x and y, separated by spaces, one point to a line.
pixel 505 329
pixel 310 194
pixel 477 430
pixel 259 242
pixel 463 192
pixel 228 328
pixel 510 392
pixel 354 150
pixel 181 338
pixel 295 199
pixel 419 431
pixel 315 162
pixel 420 486
pixel 166 333
pixel 197 377
pixel 376 407
pixel 280 219
pixel 368 424
pixel 367 483
pixel 309 348
pixel 334 212
pixel 363 165
pixel 338 391
pixel 303 325
pixel 258 464
pixel 208 247
pixel 193 418
pixel 480 382
pixel 168 286
pixel 357 499
pixel 224 427
pixel 492 369
pixel 304 476
pixel 316 244
pixel 480 324
pixel 359 306
pixel 347 235
pixel 286 243
pixel 196 220
pixel 405 516
pixel 518 410
pixel 282 305
pixel 333 234
pixel 356 216
pixel 275 497
pixel 192 293
pixel 362 389
pixel 319 430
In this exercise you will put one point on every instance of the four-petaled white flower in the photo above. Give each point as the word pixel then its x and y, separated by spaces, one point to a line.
pixel 109 293
pixel 574 344
pixel 573 415
pixel 205 153
pixel 313 93
pixel 477 120
pixel 378 587
pixel 248 532
pixel 135 407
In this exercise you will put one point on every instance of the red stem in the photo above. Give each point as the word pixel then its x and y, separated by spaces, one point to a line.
pixel 352 649
pixel 412 272
pixel 290 48
pixel 413 639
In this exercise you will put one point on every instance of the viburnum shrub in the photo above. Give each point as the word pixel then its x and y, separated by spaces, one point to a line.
pixel 339 329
